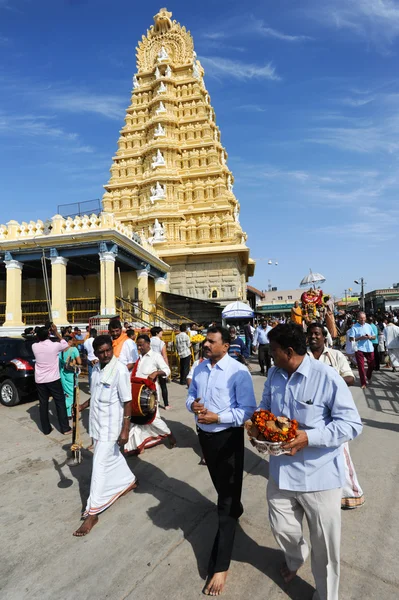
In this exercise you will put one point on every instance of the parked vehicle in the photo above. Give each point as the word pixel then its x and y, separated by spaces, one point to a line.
pixel 17 370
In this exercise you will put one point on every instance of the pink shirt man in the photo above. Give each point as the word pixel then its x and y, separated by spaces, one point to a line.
pixel 47 364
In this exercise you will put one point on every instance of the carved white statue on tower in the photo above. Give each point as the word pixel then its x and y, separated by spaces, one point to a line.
pixel 162 54
pixel 158 233
pixel 216 135
pixel 158 192
pixel 236 213
pixel 157 73
pixel 168 72
pixel 159 131
pixel 161 108
pixel 229 184
pixel 158 160
pixel 196 71
pixel 136 84
pixel 162 88
pixel 223 157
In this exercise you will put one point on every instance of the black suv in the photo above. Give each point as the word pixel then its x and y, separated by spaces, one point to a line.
pixel 17 370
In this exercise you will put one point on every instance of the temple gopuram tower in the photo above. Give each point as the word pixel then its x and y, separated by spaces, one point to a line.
pixel 170 179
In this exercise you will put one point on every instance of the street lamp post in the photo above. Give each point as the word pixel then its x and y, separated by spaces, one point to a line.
pixel 361 283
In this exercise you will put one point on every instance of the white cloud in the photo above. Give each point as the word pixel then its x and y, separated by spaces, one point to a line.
pixel 357 102
pixel 37 126
pixel 257 26
pixel 249 25
pixel 375 20
pixel 218 66
pixel 251 108
pixel 109 106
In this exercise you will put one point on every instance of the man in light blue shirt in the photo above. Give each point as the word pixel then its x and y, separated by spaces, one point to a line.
pixel 261 342
pixel 221 395
pixel 363 335
pixel 309 478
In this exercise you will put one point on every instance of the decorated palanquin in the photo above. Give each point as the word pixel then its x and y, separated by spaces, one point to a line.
pixel 312 302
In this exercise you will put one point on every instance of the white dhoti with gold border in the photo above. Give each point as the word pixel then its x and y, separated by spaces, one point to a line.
pixel 111 477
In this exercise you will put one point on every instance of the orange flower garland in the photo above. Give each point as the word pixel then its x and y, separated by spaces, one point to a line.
pixel 274 429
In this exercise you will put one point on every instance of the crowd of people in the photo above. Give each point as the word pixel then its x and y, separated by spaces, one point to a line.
pixel 307 379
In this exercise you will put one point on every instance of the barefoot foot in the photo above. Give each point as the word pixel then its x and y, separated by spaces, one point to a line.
pixel 286 574
pixel 86 526
pixel 215 584
pixel 131 487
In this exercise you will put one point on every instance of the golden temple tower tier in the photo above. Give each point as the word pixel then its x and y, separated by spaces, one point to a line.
pixel 170 179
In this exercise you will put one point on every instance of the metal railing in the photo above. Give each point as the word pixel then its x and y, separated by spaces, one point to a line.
pixel 180 318
pixel 134 311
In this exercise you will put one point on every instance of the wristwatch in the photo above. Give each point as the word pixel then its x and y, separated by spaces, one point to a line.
pixel 218 418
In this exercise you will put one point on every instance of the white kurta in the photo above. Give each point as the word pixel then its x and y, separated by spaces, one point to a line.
pixel 111 476
pixel 352 493
pixel 391 334
pixel 145 436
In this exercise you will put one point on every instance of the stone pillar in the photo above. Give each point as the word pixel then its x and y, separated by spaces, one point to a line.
pixel 142 284
pixel 161 285
pixel 107 283
pixel 58 290
pixel 13 294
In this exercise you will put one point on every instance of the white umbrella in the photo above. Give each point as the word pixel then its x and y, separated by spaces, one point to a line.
pixel 237 310
pixel 312 279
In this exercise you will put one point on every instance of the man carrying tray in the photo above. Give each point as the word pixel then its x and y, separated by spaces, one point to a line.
pixel 308 480
pixel 151 365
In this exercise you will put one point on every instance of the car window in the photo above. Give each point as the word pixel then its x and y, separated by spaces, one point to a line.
pixel 24 348
pixel 5 349
pixel 13 348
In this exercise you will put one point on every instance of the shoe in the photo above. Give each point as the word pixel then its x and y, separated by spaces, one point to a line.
pixel 69 432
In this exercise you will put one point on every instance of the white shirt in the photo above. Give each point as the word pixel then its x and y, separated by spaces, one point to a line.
pixel 88 346
pixel 157 344
pixel 129 353
pixel 183 345
pixel 150 362
pixel 336 360
pixel 110 389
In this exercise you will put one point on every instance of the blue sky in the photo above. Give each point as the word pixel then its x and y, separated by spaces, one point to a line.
pixel 306 96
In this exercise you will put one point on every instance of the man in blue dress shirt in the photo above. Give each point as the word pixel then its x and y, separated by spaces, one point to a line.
pixel 221 394
pixel 261 342
pixel 363 335
pixel 308 480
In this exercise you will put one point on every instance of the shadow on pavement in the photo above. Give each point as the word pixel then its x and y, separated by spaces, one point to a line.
pixel 199 530
pixel 383 394
pixel 268 561
pixel 34 413
pixel 378 425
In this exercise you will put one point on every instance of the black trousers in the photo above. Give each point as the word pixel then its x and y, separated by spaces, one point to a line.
pixel 264 357
pixel 54 389
pixel 184 369
pixel 377 358
pixel 224 455
pixel 164 390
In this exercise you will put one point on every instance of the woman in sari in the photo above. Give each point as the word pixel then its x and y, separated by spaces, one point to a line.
pixel 68 359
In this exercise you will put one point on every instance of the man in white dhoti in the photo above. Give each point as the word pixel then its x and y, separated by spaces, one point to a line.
pixel 391 335
pixel 352 493
pixel 151 365
pixel 110 412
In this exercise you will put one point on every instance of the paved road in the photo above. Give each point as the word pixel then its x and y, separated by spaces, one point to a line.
pixel 155 543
